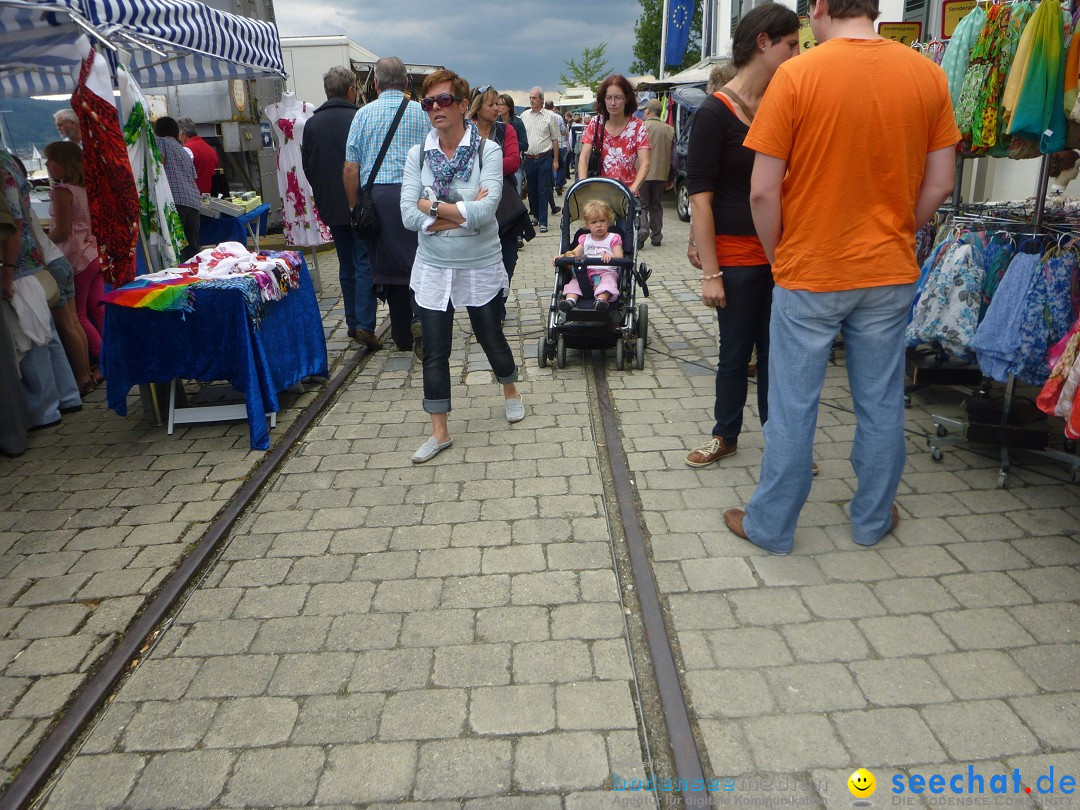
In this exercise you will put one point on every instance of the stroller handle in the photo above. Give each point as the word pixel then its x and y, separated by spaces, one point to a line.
pixel 581 261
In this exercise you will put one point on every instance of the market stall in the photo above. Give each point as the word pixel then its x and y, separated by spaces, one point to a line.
pixel 998 291
pixel 221 333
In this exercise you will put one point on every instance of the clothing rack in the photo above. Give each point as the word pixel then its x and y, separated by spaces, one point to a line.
pixel 1002 433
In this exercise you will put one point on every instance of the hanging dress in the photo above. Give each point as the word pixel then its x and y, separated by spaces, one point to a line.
pixel 160 220
pixel 958 52
pixel 1034 97
pixel 110 187
pixel 303 226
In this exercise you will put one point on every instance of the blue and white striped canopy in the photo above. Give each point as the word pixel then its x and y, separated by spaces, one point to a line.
pixel 194 43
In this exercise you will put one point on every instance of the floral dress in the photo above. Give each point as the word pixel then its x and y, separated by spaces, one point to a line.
pixel 303 226
pixel 619 152
pixel 160 219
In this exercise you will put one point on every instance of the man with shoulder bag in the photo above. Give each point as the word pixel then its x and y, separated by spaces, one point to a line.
pixel 388 126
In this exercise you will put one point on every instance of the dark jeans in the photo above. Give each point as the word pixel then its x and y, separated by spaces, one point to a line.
pixel 538 176
pixel 402 313
pixel 438 330
pixel 354 273
pixel 189 219
pixel 744 324
pixel 560 175
pixel 652 212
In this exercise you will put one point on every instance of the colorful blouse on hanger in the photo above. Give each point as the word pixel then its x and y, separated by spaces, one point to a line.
pixel 1034 91
pixel 947 311
pixel 958 53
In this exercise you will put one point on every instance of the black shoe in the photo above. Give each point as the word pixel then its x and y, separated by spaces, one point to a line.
pixel 72 409
pixel 567 305
pixel 640 242
pixel 48 425
pixel 656 243
pixel 520 242
pixel 533 220
pixel 602 305
pixel 417 340
pixel 543 229
pixel 555 209
pixel 560 190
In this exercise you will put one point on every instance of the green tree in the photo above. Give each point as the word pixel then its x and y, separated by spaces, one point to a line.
pixel 589 72
pixel 647 32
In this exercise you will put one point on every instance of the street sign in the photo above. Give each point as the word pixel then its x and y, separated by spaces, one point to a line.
pixel 903 32
pixel 952 12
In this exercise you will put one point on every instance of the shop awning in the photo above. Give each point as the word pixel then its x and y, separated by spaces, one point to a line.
pixel 162 42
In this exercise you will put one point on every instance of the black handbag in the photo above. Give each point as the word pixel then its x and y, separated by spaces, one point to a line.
pixel 596 157
pixel 364 218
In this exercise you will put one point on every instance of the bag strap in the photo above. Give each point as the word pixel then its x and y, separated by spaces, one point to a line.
pixel 598 136
pixel 479 154
pixel 735 97
pixel 386 143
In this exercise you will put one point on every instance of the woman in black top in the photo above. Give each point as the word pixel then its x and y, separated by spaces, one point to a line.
pixel 736 277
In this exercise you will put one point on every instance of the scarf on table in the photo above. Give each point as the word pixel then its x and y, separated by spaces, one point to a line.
pixel 460 165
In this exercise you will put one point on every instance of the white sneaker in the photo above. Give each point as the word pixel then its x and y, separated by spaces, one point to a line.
pixel 515 410
pixel 429 449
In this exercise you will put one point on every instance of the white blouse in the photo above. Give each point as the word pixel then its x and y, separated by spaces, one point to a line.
pixel 436 286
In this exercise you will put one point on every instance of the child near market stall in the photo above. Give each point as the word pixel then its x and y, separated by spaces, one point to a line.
pixel 71 231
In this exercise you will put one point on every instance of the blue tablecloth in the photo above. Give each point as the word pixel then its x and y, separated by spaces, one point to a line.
pixel 232 229
pixel 217 341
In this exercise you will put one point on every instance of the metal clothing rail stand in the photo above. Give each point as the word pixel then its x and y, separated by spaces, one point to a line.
pixel 1002 433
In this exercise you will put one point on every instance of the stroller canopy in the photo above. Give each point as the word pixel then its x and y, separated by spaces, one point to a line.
pixel 604 189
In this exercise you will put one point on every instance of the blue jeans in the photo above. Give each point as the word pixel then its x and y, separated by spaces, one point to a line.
pixel 538 175
pixel 743 324
pixel 803 327
pixel 438 328
pixel 354 273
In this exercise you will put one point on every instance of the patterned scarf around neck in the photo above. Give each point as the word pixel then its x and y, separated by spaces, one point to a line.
pixel 444 170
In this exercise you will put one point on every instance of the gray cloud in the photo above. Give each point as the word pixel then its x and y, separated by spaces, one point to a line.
pixel 508 44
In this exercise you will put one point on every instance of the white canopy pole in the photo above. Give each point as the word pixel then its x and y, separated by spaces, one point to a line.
pixel 663 39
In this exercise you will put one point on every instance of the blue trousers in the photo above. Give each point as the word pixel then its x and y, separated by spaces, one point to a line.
pixel 538 175
pixel 438 332
pixel 354 273
pixel 802 329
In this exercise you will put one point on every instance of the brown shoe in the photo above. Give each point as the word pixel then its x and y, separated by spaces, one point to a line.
pixel 709 452
pixel 895 518
pixel 733 519
pixel 369 339
pixel 814 470
pixel 751 369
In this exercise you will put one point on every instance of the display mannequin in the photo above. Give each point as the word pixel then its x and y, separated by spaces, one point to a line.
pixel 302 223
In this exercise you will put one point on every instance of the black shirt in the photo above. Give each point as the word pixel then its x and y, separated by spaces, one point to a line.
pixel 717 161
pixel 323 156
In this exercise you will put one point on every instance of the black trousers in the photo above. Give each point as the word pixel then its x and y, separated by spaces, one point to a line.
pixel 189 218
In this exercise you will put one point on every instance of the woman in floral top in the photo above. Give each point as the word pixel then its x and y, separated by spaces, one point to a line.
pixel 624 142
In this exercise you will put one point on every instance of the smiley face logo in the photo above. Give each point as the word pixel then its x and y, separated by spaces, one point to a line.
pixel 862 784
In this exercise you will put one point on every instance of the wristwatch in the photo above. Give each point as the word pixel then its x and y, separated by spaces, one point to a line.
pixel 434 210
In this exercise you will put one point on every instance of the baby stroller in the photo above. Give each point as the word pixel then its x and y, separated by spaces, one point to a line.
pixel 626 324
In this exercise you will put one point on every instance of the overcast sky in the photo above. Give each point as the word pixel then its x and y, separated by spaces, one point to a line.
pixel 513 45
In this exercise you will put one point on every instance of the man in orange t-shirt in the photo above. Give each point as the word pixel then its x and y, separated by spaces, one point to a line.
pixel 855 150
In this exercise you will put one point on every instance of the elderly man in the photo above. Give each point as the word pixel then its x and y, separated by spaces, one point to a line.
pixel 392 254
pixel 542 159
pixel 67 124
pixel 203 155
pixel 323 150
pixel 661 135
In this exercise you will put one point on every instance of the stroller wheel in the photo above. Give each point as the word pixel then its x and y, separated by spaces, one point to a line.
pixel 639 354
pixel 643 322
pixel 560 352
pixel 541 352
pixel 620 355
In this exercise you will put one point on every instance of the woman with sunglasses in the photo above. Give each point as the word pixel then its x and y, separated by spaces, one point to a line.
pixel 484 111
pixel 622 138
pixel 451 190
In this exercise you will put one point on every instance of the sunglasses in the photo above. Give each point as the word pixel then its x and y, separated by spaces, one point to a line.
pixel 443 100
pixel 481 89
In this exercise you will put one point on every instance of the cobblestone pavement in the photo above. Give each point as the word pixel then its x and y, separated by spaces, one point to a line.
pixel 451 634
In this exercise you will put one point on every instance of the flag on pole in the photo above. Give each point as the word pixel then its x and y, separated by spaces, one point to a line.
pixel 680 14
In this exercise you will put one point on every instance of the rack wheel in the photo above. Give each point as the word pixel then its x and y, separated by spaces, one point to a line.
pixel 541 353
pixel 936 454
pixel 1003 479
pixel 941 429
pixel 560 352
pixel 620 355
pixel 643 322
pixel 639 354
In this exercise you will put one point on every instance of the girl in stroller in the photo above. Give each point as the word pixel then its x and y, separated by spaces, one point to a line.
pixel 601 243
